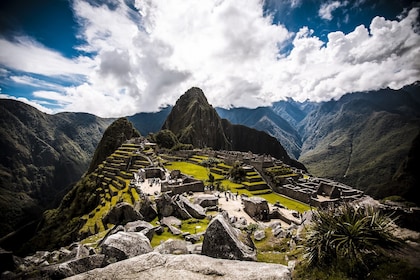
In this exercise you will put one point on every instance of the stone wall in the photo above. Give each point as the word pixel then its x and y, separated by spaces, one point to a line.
pixel 295 193
pixel 195 186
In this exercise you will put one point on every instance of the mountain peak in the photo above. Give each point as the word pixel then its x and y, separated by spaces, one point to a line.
pixel 191 96
pixel 194 121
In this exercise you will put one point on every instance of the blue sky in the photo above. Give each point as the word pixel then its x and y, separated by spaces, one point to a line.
pixel 116 58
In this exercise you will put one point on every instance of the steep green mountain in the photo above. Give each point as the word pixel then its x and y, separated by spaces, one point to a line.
pixel 265 119
pixel 147 123
pixel 363 138
pixel 114 136
pixel 94 194
pixel 194 121
pixel 41 155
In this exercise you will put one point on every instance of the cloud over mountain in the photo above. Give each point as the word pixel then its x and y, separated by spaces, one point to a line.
pixel 144 54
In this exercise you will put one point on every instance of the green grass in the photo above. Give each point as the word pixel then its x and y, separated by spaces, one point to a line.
pixel 275 250
pixel 192 226
pixel 197 171
pixel 274 197
pixel 201 173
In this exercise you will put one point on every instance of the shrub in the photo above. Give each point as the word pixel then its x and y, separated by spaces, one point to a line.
pixel 349 237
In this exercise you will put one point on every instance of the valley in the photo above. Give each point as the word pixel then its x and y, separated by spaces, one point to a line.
pixel 201 176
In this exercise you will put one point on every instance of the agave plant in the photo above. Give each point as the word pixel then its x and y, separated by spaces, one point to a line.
pixel 347 236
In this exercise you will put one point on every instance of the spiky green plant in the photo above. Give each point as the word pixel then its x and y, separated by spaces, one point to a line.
pixel 349 237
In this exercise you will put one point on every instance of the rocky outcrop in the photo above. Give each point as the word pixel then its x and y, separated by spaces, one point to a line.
pixel 178 206
pixel 195 210
pixel 157 266
pixel 223 241
pixel 256 207
pixel 124 245
pixel 72 267
pixel 207 200
pixel 172 246
pixel 165 205
pixel 146 208
pixel 259 235
pixel 122 213
pixel 141 226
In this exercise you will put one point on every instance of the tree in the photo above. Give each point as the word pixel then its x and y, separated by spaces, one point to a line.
pixel 237 173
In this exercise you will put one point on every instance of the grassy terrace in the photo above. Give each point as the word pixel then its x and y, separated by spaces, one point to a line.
pixel 192 226
pixel 201 173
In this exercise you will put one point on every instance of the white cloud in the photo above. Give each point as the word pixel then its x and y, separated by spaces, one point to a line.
pixel 326 9
pixel 141 60
pixel 27 55
pixel 33 103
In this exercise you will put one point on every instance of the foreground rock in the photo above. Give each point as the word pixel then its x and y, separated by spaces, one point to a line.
pixel 124 245
pixel 156 266
pixel 72 267
pixel 223 241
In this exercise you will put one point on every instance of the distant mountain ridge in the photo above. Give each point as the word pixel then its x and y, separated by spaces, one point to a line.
pixel 361 139
pixel 40 156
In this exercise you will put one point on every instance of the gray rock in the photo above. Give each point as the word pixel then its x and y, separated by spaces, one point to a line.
pixel 141 226
pixel 279 232
pixel 171 221
pixel 165 205
pixel 195 210
pixel 146 208
pixel 174 230
pixel 181 211
pixel 137 226
pixel 193 238
pixel 256 207
pixel 207 201
pixel 172 246
pixel 259 235
pixel 124 245
pixel 223 241
pixel 121 214
pixel 78 251
pixel 72 267
pixel 181 267
pixel 195 248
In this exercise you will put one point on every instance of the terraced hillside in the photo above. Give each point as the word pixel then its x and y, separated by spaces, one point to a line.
pixel 112 178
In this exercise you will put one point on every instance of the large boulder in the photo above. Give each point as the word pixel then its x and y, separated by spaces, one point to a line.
pixel 171 221
pixel 223 241
pixel 146 208
pixel 180 210
pixel 72 267
pixel 121 214
pixel 207 200
pixel 141 226
pixel 157 266
pixel 124 245
pixel 256 207
pixel 195 210
pixel 165 206
pixel 172 246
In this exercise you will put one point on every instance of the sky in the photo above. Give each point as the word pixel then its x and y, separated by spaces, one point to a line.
pixel 116 58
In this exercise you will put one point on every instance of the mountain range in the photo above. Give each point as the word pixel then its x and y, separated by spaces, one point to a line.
pixel 368 140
